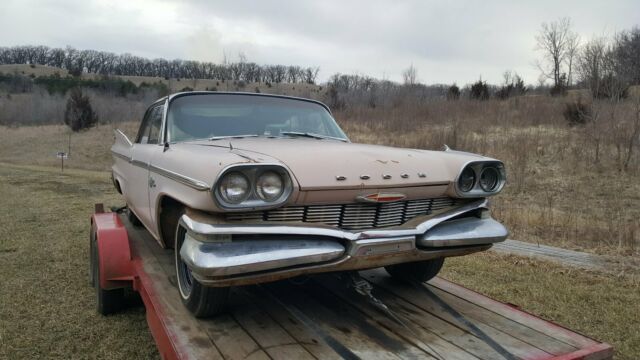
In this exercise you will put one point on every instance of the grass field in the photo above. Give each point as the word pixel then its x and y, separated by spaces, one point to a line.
pixel 47 306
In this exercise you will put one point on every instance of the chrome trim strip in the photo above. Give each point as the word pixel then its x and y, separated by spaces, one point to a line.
pixel 465 231
pixel 185 180
pixel 210 229
pixel 121 156
pixel 240 257
pixel 139 163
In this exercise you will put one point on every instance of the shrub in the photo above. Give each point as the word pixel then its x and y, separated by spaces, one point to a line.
pixel 257 90
pixel 453 93
pixel 513 86
pixel 186 89
pixel 479 90
pixel 577 113
pixel 78 114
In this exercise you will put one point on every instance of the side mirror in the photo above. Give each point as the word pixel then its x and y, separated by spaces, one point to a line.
pixel 122 139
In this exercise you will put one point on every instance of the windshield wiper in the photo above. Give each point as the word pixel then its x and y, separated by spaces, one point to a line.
pixel 309 135
pixel 232 137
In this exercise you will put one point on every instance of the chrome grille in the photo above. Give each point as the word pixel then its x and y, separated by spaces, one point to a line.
pixel 350 216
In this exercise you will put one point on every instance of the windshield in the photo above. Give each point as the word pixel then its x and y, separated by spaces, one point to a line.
pixel 212 116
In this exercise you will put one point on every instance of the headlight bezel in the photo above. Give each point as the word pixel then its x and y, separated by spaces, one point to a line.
pixel 253 201
pixel 478 167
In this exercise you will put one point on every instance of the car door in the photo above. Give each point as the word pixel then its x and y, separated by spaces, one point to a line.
pixel 147 144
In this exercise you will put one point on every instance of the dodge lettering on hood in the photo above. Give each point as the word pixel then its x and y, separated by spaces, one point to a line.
pixel 250 188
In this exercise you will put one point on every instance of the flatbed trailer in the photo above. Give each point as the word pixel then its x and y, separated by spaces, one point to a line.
pixel 321 317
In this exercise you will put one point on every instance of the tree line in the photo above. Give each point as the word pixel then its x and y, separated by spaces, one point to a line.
pixel 107 63
pixel 605 65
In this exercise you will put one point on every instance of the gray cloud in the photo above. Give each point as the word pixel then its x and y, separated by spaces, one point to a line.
pixel 447 42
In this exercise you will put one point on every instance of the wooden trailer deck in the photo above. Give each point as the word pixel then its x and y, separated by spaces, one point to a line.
pixel 322 318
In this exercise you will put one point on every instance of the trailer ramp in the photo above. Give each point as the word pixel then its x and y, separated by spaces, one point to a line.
pixel 322 318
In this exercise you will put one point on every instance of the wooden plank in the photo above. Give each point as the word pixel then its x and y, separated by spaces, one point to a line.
pixel 596 352
pixel 231 339
pixel 452 331
pixel 306 336
pixel 412 331
pixel 531 321
pixel 481 317
pixel 364 338
pixel 264 330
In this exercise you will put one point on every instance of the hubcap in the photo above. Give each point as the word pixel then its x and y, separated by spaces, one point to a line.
pixel 185 278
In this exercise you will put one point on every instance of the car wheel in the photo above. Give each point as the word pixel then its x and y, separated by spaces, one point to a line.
pixel 201 300
pixel 107 301
pixel 416 271
pixel 133 219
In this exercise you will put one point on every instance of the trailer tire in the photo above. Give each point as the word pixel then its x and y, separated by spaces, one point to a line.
pixel 202 301
pixel 107 301
pixel 421 271
pixel 133 219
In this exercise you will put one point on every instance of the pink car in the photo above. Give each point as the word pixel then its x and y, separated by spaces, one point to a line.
pixel 250 188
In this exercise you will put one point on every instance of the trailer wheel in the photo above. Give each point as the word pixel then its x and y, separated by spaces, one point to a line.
pixel 416 271
pixel 107 301
pixel 202 301
pixel 133 219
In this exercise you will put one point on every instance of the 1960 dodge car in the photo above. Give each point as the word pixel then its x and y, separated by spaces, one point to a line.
pixel 250 188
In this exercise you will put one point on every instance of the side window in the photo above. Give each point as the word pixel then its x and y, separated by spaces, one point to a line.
pixel 156 124
pixel 150 128
pixel 143 133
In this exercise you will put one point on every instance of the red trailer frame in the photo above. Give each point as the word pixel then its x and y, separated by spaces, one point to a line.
pixel 117 263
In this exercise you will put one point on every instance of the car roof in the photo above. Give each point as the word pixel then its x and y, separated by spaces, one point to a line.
pixel 171 97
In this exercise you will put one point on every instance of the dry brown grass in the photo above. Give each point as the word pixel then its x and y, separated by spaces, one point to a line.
pixel 557 193
pixel 36 70
pixel 560 192
pixel 47 308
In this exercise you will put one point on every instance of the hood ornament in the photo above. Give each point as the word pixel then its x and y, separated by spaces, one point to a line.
pixel 381 197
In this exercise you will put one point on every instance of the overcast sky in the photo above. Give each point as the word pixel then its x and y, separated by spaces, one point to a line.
pixel 453 41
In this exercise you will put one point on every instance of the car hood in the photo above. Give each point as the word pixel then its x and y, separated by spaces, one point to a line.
pixel 330 164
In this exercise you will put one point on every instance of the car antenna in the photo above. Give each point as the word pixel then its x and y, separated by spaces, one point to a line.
pixel 230 146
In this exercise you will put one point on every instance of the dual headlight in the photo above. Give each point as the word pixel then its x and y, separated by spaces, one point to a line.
pixel 482 178
pixel 252 186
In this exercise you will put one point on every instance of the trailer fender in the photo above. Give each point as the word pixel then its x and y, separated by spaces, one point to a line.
pixel 113 256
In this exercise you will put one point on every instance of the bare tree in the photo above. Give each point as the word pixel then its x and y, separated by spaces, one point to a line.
pixel 591 64
pixel 573 47
pixel 553 41
pixel 410 75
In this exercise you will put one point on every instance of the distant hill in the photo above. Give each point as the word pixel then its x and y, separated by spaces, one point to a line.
pixel 176 84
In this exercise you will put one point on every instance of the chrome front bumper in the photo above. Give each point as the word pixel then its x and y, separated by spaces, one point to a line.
pixel 227 254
